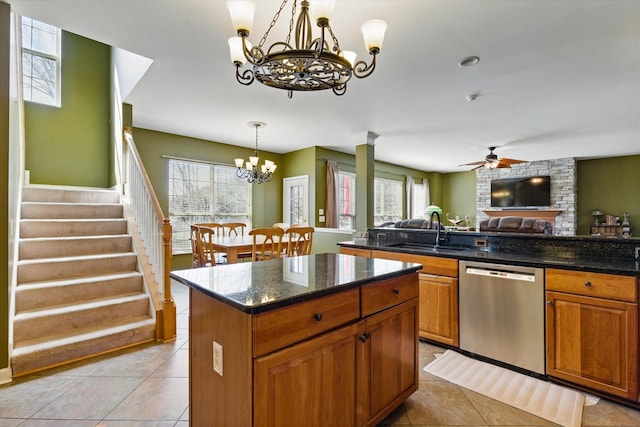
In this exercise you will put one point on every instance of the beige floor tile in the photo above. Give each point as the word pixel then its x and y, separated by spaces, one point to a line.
pixel 24 397
pixel 93 398
pixel 136 423
pixel 177 366
pixel 441 403
pixel 57 423
pixel 608 414
pixel 155 399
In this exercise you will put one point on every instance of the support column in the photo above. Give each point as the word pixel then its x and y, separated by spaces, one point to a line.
pixel 365 174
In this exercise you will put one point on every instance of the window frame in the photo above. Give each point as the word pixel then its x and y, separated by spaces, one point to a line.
pixel 380 217
pixel 34 53
pixel 352 201
pixel 182 219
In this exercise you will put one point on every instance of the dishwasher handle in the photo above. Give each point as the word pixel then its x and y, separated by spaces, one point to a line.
pixel 509 275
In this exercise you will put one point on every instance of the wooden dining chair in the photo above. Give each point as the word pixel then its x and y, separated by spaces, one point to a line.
pixel 194 237
pixel 207 253
pixel 270 247
pixel 299 241
pixel 215 226
pixel 233 228
pixel 283 225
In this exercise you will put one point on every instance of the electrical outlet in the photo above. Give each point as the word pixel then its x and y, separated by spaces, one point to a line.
pixel 217 358
pixel 321 218
pixel 320 211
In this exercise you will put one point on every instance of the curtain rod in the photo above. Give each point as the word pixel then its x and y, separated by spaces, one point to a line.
pixel 196 161
pixel 375 170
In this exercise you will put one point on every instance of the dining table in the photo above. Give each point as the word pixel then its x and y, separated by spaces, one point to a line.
pixel 234 245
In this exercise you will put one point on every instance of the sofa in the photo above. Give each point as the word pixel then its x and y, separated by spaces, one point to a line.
pixel 516 224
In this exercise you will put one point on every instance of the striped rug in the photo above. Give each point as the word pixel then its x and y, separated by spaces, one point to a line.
pixel 546 400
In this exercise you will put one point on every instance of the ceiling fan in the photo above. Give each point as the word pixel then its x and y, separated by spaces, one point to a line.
pixel 491 161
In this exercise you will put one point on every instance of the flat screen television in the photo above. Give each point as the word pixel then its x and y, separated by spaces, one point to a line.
pixel 531 191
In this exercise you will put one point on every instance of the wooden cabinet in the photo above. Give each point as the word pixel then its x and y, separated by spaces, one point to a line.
pixel 346 250
pixel 438 301
pixel 592 330
pixel 344 359
pixel 388 361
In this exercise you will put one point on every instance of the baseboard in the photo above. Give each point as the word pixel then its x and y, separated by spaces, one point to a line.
pixel 5 376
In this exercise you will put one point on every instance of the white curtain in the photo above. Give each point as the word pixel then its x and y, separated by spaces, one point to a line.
pixel 409 188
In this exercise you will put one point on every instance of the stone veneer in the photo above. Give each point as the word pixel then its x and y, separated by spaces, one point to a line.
pixel 563 189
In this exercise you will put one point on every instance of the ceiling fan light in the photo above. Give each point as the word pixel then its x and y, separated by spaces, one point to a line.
pixel 373 33
pixel 241 15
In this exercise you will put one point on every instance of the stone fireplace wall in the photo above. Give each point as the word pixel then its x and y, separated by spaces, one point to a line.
pixel 563 189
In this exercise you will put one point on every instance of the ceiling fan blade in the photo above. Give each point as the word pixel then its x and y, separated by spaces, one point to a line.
pixel 478 167
pixel 481 162
pixel 511 161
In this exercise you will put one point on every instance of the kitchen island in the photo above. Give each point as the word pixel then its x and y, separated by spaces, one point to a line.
pixel 317 340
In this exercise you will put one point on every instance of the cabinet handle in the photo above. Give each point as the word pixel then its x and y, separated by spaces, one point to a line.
pixel 396 291
pixel 364 337
pixel 318 316
pixel 587 284
pixel 549 303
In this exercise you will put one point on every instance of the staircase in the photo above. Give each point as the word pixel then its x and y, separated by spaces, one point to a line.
pixel 78 290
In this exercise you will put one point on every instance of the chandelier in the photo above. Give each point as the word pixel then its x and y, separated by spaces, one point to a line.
pixel 249 170
pixel 311 64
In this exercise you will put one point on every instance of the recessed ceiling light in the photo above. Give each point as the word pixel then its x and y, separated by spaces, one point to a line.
pixel 469 61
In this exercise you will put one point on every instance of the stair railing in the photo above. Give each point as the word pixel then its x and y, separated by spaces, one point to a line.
pixel 155 233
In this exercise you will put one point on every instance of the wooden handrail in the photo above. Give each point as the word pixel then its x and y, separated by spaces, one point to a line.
pixel 156 232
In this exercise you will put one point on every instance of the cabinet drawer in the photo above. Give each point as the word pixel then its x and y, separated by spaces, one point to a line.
pixel 599 285
pixel 430 264
pixel 380 295
pixel 282 327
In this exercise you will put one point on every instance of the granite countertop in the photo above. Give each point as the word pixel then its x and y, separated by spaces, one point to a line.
pixel 254 287
pixel 566 259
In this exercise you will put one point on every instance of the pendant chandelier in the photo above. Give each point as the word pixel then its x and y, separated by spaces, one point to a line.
pixel 249 170
pixel 311 64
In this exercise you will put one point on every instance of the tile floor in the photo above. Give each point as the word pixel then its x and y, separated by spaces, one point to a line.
pixel 148 386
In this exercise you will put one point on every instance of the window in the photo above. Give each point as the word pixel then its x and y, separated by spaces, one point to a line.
pixel 200 192
pixel 346 200
pixel 388 201
pixel 40 62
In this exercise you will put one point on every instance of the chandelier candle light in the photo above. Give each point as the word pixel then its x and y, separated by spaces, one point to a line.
pixel 310 65
pixel 249 170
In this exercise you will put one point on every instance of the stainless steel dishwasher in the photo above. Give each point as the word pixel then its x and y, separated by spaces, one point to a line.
pixel 502 313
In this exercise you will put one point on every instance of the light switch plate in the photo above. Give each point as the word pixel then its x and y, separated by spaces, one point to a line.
pixel 217 358
pixel 321 212
pixel 321 218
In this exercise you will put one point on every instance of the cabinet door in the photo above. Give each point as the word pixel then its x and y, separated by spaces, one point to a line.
pixel 309 384
pixel 388 361
pixel 438 313
pixel 593 342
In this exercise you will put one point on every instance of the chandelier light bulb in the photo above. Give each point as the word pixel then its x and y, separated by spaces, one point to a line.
pixel 350 56
pixel 241 15
pixel 373 33
pixel 321 11
pixel 235 50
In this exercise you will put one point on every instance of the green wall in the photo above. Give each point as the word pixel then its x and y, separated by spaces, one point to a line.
pixel 69 145
pixel 459 195
pixel 5 41
pixel 611 185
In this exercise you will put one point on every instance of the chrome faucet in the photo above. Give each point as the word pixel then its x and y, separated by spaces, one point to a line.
pixel 437 229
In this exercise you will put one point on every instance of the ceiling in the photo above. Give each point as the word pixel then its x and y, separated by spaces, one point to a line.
pixel 556 78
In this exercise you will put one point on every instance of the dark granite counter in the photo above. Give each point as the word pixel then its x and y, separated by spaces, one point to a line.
pixel 254 287
pixel 574 253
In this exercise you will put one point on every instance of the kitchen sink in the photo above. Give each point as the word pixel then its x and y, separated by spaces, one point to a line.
pixel 428 247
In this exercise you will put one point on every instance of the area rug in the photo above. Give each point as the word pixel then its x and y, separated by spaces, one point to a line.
pixel 546 400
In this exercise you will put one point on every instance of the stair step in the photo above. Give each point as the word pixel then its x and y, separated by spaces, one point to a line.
pixel 63 194
pixel 35 324
pixel 31 296
pixel 40 354
pixel 52 247
pixel 71 227
pixel 50 210
pixel 47 269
